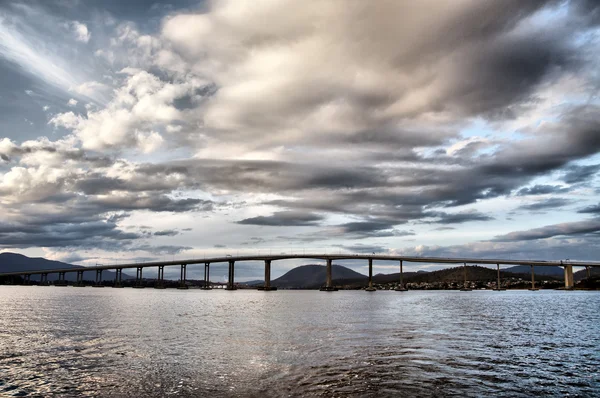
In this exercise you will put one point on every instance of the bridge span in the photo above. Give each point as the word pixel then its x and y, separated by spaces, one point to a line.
pixel 267 259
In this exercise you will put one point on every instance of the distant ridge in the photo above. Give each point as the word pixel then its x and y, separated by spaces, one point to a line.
pixel 545 270
pixel 13 262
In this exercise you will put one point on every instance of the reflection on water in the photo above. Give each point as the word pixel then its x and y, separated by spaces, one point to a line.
pixel 126 342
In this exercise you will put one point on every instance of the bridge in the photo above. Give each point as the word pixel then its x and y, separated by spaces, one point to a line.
pixel 268 259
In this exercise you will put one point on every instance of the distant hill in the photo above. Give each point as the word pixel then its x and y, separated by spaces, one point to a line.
pixel 582 274
pixel 313 276
pixel 13 262
pixel 539 270
pixel 257 282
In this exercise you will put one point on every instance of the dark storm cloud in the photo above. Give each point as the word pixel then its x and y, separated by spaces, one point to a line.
pixel 285 219
pixel 551 203
pixel 542 190
pixel 577 174
pixel 566 229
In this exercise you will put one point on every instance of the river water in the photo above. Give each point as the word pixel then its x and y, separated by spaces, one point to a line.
pixel 64 341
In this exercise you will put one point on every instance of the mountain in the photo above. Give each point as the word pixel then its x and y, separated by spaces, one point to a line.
pixel 13 262
pixel 539 270
pixel 313 276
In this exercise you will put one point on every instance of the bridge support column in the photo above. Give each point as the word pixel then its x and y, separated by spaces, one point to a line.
pixel 98 278
pixel 44 279
pixel 588 272
pixel 498 286
pixel 400 287
pixel 230 280
pixel 160 278
pixel 568 277
pixel 329 283
pixel 183 278
pixel 206 276
pixel 466 287
pixel 79 282
pixel 370 288
pixel 118 277
pixel 27 279
pixel 139 278
pixel 533 288
pixel 267 287
pixel 61 281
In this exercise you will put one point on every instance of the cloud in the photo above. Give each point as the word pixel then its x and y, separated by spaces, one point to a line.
pixel 72 102
pixel 542 190
pixel 416 118
pixel 551 203
pixel 80 31
pixel 577 174
pixel 166 232
pixel 457 218
pixel 284 219
pixel 359 248
pixel 594 209
pixel 563 229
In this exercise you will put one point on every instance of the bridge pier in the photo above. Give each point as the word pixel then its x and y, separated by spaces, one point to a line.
pixel 183 278
pixel 533 288
pixel 118 277
pixel 498 288
pixel 329 283
pixel 160 278
pixel 588 272
pixel 98 278
pixel 79 282
pixel 27 279
pixel 267 287
pixel 61 281
pixel 44 279
pixel 466 287
pixel 370 288
pixel 568 277
pixel 206 277
pixel 400 287
pixel 138 278
pixel 230 280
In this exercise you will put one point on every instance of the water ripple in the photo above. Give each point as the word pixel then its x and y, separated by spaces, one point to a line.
pixel 66 342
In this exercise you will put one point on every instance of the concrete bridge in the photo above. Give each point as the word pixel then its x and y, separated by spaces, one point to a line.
pixel 268 259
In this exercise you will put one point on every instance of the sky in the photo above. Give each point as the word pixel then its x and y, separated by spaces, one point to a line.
pixel 143 130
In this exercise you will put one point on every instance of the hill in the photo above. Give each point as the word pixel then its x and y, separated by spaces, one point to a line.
pixel 13 262
pixel 539 270
pixel 313 276
pixel 582 274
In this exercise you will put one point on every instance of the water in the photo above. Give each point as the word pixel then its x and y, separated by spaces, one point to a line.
pixel 159 343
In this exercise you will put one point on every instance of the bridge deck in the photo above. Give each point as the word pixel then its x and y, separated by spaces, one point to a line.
pixel 412 259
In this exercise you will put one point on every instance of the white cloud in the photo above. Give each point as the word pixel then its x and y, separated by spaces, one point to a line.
pixel 144 102
pixel 80 31
pixel 72 102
